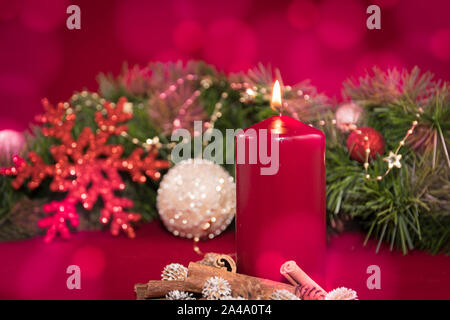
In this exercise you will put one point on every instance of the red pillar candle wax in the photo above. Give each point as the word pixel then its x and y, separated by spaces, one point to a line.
pixel 281 216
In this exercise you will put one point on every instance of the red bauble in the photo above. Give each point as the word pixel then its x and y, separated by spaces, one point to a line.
pixel 357 143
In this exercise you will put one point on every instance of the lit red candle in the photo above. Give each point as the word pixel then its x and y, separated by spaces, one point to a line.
pixel 281 216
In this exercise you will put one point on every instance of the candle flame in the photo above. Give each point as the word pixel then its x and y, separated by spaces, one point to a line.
pixel 276 97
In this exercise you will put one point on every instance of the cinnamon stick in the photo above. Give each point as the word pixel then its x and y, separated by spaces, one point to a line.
pixel 306 288
pixel 241 285
pixel 140 289
pixel 295 275
pixel 309 293
pixel 159 288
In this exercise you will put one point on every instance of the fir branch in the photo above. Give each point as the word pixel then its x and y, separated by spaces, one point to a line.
pixel 300 101
pixel 409 208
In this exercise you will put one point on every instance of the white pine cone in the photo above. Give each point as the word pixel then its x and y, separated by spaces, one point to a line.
pixel 179 295
pixel 216 288
pixel 342 293
pixel 233 298
pixel 174 271
pixel 283 295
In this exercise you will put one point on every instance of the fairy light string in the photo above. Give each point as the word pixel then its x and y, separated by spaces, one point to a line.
pixel 247 92
pixel 94 100
pixel 216 114
pixel 154 142
pixel 393 159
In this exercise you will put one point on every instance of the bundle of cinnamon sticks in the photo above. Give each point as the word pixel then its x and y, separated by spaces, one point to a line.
pixel 305 287
pixel 241 285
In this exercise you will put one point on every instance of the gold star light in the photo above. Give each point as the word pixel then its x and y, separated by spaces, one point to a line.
pixel 393 160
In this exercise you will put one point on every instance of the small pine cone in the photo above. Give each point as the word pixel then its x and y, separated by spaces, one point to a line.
pixel 174 271
pixel 309 293
pixel 216 288
pixel 283 295
pixel 342 293
pixel 179 295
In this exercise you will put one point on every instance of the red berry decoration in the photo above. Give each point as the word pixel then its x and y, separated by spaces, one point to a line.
pixel 365 138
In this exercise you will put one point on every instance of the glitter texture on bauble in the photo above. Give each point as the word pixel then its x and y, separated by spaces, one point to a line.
pixel 197 199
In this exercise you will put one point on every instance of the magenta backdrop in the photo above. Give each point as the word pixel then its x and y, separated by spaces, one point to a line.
pixel 326 41
pixel 112 265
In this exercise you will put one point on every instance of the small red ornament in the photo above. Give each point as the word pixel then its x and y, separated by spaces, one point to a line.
pixel 363 139
pixel 86 168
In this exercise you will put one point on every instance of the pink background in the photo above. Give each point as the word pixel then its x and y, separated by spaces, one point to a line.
pixel 110 266
pixel 326 41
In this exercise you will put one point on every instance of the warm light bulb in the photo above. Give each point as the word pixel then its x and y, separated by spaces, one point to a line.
pixel 276 97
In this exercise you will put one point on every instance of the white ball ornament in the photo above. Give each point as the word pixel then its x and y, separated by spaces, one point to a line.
pixel 197 199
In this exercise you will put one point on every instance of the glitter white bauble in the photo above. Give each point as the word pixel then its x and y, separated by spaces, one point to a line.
pixel 197 199
pixel 348 116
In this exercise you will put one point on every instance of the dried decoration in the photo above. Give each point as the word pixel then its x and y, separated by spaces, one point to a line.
pixel 225 262
pixel 216 288
pixel 308 289
pixel 233 298
pixel 209 258
pixel 283 295
pixel 342 293
pixel 179 295
pixel 216 283
pixel 296 276
pixel 174 272
pixel 309 293
pixel 241 285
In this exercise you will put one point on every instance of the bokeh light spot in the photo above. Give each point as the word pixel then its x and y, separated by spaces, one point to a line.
pixel 188 36
pixel 91 261
pixel 44 15
pixel 302 14
pixel 440 44
pixel 231 45
pixel 342 23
